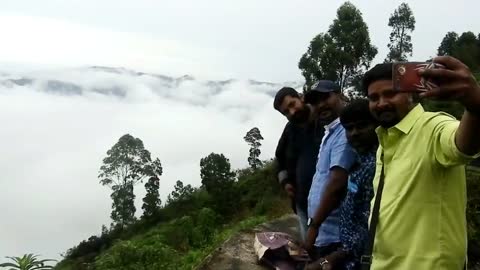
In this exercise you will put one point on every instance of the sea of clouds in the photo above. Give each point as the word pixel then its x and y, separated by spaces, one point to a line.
pixel 57 126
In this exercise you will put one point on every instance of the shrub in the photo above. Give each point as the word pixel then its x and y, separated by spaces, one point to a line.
pixel 205 226
pixel 179 233
pixel 134 255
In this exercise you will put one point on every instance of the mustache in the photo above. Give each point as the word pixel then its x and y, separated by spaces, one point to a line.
pixel 388 110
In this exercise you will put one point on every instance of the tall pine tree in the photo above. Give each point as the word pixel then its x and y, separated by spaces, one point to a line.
pixel 127 163
pixel 402 22
pixel 123 205
pixel 253 138
pixel 218 179
pixel 151 201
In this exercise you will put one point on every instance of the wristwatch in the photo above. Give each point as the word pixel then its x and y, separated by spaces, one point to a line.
pixel 324 262
pixel 311 223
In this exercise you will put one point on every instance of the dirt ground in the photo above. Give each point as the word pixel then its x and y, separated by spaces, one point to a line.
pixel 238 253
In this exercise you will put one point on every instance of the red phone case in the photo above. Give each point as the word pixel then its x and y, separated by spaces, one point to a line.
pixel 406 77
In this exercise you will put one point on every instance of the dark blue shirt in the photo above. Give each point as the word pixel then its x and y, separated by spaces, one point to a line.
pixel 355 209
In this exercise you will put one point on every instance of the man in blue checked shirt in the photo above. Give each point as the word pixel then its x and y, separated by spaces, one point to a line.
pixel 335 159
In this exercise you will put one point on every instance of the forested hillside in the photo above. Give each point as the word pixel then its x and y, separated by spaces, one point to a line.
pixel 181 232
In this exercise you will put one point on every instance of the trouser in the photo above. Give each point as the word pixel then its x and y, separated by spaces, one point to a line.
pixel 320 252
pixel 302 222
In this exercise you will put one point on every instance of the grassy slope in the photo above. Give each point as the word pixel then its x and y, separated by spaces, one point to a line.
pixel 182 260
pixel 195 256
pixel 178 244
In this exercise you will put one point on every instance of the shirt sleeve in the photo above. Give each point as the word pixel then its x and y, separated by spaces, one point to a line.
pixel 444 147
pixel 342 154
pixel 281 158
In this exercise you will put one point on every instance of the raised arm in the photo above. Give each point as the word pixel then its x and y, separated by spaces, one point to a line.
pixel 456 82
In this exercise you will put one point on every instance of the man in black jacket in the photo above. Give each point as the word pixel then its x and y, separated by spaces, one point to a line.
pixel 297 150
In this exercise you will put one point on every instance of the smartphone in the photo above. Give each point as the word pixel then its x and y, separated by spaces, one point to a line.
pixel 407 79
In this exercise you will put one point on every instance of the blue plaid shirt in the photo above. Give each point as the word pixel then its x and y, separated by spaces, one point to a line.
pixel 355 209
pixel 334 152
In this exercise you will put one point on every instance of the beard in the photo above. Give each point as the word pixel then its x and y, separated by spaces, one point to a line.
pixel 301 116
pixel 327 116
pixel 387 118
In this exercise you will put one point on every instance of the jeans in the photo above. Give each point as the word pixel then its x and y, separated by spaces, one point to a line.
pixel 302 220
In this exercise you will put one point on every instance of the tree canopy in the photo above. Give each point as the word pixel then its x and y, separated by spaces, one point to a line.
pixel 127 163
pixel 342 54
pixel 465 47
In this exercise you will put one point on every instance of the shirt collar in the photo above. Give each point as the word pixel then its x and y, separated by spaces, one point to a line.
pixel 406 124
pixel 364 156
pixel 333 124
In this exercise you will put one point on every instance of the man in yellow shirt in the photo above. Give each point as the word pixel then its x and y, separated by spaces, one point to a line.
pixel 421 218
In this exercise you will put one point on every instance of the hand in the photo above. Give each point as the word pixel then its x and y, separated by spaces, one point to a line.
pixel 290 190
pixel 316 265
pixel 327 266
pixel 312 234
pixel 334 259
pixel 313 266
pixel 454 82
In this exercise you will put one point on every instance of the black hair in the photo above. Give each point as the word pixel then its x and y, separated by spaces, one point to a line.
pixel 379 72
pixel 356 110
pixel 314 97
pixel 281 94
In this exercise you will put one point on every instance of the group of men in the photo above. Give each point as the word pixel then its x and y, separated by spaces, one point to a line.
pixel 379 183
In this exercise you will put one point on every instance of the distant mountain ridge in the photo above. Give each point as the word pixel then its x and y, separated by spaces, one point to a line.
pixel 102 80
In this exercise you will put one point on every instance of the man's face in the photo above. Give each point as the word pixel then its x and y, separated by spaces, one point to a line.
pixel 295 110
pixel 361 135
pixel 327 107
pixel 387 105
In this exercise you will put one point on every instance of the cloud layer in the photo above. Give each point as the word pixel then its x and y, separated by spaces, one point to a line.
pixel 58 125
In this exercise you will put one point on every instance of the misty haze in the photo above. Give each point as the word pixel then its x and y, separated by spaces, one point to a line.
pixel 171 134
pixel 60 124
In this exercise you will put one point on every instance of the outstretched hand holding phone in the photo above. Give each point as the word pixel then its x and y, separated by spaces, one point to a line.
pixel 456 82
pixel 406 77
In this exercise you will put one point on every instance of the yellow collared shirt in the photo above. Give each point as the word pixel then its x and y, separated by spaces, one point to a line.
pixel 422 223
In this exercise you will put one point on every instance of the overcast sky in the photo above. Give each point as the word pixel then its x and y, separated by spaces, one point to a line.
pixel 249 39
pixel 52 145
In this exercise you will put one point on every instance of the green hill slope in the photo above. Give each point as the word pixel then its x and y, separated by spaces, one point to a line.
pixel 185 231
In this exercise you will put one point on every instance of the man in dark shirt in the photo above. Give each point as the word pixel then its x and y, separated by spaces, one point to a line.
pixel 297 150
